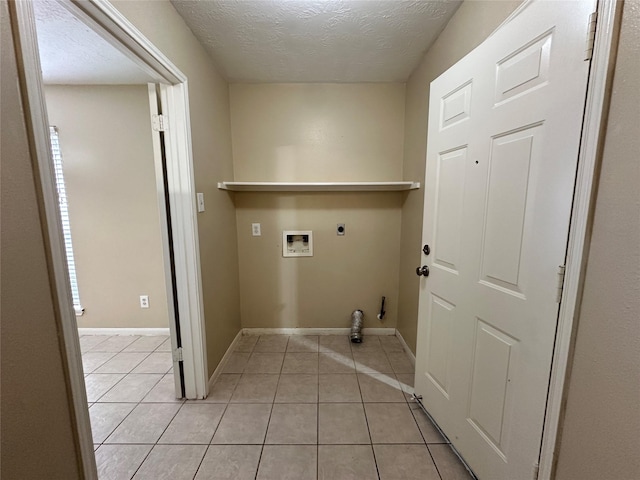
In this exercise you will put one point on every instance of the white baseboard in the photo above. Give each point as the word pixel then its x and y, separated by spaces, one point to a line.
pixel 123 331
pixel 216 373
pixel 315 331
pixel 412 357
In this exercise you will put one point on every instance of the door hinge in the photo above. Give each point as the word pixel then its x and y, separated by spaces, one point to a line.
pixel 160 123
pixel 561 270
pixel 536 470
pixel 591 36
pixel 177 355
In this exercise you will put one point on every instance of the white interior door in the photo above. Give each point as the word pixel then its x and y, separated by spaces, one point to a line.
pixel 504 132
pixel 176 197
pixel 160 162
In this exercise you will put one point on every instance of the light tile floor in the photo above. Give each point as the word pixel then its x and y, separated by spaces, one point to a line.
pixel 285 407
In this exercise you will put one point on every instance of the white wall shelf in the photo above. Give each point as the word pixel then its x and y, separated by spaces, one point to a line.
pixel 318 186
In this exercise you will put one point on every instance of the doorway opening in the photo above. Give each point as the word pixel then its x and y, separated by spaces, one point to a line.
pixel 174 189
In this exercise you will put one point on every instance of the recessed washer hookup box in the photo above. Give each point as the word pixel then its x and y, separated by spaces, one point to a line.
pixel 297 243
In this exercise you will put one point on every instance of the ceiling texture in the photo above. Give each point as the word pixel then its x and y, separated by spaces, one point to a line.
pixel 71 53
pixel 289 41
pixel 316 40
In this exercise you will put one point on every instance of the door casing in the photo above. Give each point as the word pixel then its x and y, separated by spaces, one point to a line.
pixel 107 21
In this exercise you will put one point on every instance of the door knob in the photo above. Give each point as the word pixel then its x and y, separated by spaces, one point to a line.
pixel 423 270
pixel 426 249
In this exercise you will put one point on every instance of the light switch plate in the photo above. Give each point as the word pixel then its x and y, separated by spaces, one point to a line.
pixel 200 197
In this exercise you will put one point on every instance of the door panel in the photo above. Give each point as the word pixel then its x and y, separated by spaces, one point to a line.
pixel 448 218
pixel 456 106
pixel 524 69
pixel 504 131
pixel 492 371
pixel 508 195
pixel 441 320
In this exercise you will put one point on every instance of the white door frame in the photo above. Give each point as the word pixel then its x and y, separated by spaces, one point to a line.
pixel 103 18
pixel 594 122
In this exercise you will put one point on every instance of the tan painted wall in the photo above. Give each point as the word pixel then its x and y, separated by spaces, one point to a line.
pixel 107 152
pixel 211 136
pixel 345 273
pixel 473 22
pixel 318 132
pixel 602 420
pixel 37 439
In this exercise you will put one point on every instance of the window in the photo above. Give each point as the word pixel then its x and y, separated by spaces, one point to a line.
pixel 64 213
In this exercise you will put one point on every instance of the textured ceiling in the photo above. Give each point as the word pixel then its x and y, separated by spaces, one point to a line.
pixel 316 41
pixel 72 53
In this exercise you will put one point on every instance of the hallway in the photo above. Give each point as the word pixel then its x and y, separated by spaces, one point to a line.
pixel 285 407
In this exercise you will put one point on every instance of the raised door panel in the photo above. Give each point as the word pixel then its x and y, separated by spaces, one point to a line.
pixel 456 106
pixel 448 211
pixel 523 70
pixel 509 194
pixel 489 399
pixel 441 317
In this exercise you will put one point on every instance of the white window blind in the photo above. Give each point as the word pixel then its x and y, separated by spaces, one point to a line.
pixel 64 213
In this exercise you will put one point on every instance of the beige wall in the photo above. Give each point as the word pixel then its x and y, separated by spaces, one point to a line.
pixel 107 152
pixel 211 136
pixel 602 420
pixel 345 273
pixel 318 132
pixel 38 437
pixel 472 23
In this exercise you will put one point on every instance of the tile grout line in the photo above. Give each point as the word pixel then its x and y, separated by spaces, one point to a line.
pixel 426 444
pixel 126 373
pixel 136 406
pixel 206 450
pixel 93 371
pixel 227 403
pixel 99 343
pixel 159 436
pixel 182 404
pixel 318 416
pixel 264 439
pixel 366 419
pixel 434 462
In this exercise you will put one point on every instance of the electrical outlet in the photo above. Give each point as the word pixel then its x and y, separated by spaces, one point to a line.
pixel 144 301
pixel 255 230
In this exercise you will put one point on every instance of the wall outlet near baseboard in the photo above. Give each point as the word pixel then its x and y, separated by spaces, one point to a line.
pixel 144 301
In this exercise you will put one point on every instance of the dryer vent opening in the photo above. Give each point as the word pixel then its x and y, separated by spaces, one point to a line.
pixel 357 319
